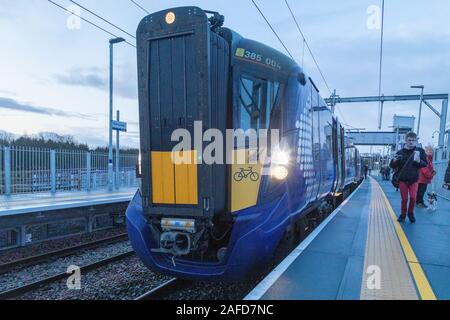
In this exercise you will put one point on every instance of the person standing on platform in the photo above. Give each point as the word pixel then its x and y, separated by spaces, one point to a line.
pixel 366 170
pixel 407 163
pixel 447 177
pixel 388 173
pixel 425 177
pixel 383 172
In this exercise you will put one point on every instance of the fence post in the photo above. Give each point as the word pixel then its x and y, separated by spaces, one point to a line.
pixel 94 181
pixel 7 152
pixel 23 236
pixel 90 224
pixel 88 171
pixel 1 171
pixel 53 170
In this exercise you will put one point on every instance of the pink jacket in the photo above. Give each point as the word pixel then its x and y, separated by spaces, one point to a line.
pixel 426 174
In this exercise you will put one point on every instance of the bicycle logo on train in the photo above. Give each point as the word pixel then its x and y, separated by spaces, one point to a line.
pixel 245 174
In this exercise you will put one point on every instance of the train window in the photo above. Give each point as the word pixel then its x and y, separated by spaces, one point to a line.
pixel 258 99
pixel 273 89
pixel 250 103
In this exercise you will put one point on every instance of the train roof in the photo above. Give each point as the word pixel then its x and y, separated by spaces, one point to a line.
pixel 238 42
pixel 186 17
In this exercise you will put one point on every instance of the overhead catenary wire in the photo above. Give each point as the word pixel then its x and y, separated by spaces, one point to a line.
pixel 273 30
pixel 305 44
pixel 140 7
pixel 90 22
pixel 380 106
pixel 103 19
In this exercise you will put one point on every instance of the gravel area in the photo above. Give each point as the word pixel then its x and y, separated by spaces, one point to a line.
pixel 129 278
pixel 21 276
pixel 123 280
pixel 216 290
pixel 58 244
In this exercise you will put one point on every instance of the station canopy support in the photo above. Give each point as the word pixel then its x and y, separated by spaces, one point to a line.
pixel 426 98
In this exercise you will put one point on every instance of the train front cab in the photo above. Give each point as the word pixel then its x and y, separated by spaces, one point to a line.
pixel 195 220
pixel 214 222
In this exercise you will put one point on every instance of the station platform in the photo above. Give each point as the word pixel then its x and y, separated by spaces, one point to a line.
pixel 361 252
pixel 29 203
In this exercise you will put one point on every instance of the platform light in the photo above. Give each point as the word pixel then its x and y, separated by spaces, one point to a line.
pixel 280 172
pixel 170 17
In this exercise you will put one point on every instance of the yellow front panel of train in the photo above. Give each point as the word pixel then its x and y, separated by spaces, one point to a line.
pixel 174 183
pixel 186 179
pixel 163 178
pixel 245 180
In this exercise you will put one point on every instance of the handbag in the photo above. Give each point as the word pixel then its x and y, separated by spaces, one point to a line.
pixel 397 174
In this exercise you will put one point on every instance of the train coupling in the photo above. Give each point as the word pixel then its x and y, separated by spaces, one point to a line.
pixel 176 238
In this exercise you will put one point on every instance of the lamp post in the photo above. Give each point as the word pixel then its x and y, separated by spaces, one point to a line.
pixel 117 153
pixel 111 83
pixel 420 108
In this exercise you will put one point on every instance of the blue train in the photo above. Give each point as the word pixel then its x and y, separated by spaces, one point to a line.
pixel 223 221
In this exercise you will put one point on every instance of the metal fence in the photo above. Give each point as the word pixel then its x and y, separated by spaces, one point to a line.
pixel 438 180
pixel 31 170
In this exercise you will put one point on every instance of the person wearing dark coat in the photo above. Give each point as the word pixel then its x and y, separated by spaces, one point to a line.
pixel 366 170
pixel 388 173
pixel 447 177
pixel 408 162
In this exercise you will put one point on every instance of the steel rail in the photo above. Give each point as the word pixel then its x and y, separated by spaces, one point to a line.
pixel 18 291
pixel 32 260
pixel 163 290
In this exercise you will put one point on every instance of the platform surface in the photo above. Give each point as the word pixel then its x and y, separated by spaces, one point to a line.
pixel 29 203
pixel 361 252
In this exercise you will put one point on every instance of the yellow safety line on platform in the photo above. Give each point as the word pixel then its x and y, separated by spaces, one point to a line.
pixel 424 287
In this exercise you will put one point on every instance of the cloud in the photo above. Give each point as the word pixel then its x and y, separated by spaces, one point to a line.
pixel 125 83
pixel 91 77
pixel 11 104
pixel 7 92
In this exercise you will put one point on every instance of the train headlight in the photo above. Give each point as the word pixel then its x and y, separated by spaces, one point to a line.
pixel 280 172
pixel 170 17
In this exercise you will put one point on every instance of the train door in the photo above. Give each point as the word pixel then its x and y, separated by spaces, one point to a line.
pixel 316 142
pixel 336 157
pixel 183 82
pixel 342 157
pixel 326 150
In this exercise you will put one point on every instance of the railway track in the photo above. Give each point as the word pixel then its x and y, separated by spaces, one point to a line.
pixel 28 261
pixel 165 289
pixel 16 292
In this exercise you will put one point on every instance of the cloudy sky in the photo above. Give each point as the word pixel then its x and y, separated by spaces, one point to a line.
pixel 54 78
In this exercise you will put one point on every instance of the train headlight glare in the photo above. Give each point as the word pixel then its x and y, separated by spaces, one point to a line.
pixel 139 167
pixel 281 158
pixel 280 172
pixel 170 17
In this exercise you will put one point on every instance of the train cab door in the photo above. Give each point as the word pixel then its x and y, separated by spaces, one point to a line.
pixel 254 100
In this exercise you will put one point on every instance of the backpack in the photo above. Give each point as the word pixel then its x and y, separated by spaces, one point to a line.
pixel 397 174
